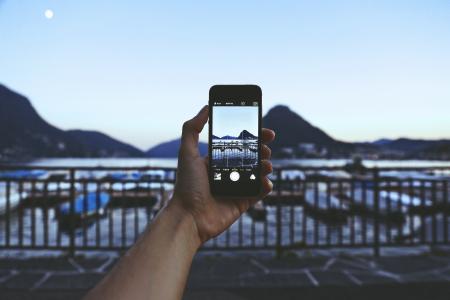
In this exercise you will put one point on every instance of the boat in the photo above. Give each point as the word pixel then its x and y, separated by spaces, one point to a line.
pixel 24 174
pixel 413 175
pixel 86 206
pixel 122 176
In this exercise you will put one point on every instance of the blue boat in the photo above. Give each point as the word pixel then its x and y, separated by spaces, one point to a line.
pixel 122 176
pixel 23 174
pixel 86 206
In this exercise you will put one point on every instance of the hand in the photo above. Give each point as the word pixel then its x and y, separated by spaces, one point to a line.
pixel 211 215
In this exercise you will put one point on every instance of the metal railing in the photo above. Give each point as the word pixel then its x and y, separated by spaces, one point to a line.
pixel 107 208
pixel 236 153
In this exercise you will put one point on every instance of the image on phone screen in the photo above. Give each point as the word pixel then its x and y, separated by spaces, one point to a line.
pixel 235 146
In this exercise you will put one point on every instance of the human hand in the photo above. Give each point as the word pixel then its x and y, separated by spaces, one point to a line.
pixel 211 215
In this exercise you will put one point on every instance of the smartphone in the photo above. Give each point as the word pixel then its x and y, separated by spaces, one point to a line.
pixel 235 140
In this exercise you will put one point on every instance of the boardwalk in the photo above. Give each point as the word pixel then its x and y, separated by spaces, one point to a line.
pixel 244 276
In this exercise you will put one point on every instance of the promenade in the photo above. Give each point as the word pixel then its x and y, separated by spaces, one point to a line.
pixel 302 275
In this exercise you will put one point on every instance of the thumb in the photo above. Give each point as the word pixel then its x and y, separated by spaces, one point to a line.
pixel 191 130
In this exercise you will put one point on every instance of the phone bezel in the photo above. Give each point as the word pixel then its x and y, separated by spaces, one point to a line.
pixel 222 93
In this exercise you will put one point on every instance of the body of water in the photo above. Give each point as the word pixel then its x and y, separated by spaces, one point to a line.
pixel 172 162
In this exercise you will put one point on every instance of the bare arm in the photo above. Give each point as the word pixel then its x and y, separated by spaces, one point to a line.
pixel 157 266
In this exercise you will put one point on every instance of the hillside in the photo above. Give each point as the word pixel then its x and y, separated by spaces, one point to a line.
pixel 291 130
pixel 97 144
pixel 26 135
pixel 170 149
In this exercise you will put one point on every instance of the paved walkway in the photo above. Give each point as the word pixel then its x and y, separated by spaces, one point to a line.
pixel 246 277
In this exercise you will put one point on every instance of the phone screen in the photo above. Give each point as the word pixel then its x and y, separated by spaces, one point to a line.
pixel 235 145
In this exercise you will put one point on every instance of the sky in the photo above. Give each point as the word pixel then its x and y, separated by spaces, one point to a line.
pixel 136 70
pixel 231 120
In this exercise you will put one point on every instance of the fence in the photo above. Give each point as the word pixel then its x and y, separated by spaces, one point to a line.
pixel 234 152
pixel 107 208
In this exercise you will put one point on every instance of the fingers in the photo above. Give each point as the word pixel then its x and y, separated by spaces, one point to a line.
pixel 267 135
pixel 266 186
pixel 191 130
pixel 266 167
pixel 265 152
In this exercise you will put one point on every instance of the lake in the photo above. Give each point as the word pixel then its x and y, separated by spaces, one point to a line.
pixel 172 162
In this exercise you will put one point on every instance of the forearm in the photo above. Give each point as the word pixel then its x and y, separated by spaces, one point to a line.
pixel 157 266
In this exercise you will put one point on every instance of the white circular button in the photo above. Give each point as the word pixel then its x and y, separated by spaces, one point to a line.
pixel 234 176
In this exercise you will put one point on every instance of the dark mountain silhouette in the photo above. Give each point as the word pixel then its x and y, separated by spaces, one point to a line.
pixel 291 130
pixel 97 144
pixel 25 134
pixel 245 135
pixel 381 142
pixel 419 148
pixel 435 151
pixel 413 145
pixel 170 149
pixel 214 137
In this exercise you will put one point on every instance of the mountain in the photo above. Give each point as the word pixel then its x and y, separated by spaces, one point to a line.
pixel 416 148
pixel 381 142
pixel 26 135
pixel 97 144
pixel 245 135
pixel 436 151
pixel 291 130
pixel 170 149
pixel 412 145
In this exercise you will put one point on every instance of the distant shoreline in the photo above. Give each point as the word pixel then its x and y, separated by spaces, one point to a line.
pixel 172 162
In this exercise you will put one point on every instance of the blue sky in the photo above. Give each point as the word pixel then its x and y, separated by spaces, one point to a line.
pixel 231 120
pixel 136 70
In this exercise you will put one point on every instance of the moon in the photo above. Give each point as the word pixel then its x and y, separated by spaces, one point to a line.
pixel 48 14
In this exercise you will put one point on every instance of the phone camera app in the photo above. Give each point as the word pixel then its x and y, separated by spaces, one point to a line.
pixel 234 142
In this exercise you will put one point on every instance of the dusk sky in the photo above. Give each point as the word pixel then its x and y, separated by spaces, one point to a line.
pixel 360 70
pixel 231 120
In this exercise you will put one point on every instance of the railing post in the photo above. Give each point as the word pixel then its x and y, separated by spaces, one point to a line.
pixel 376 203
pixel 446 203
pixel 72 213
pixel 8 211
pixel 279 246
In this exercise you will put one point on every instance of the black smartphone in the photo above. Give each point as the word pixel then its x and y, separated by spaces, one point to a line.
pixel 235 140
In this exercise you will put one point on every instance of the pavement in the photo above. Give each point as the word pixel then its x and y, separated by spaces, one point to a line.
pixel 246 276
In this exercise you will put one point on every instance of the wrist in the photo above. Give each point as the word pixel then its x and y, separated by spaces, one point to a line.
pixel 184 226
